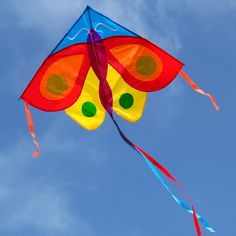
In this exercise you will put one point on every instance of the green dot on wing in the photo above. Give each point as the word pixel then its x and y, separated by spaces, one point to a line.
pixel 89 109
pixel 126 100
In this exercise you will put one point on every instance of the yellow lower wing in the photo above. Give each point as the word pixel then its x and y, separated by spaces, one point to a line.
pixel 127 102
pixel 88 110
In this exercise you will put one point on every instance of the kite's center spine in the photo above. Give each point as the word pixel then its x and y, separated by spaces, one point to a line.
pixel 99 63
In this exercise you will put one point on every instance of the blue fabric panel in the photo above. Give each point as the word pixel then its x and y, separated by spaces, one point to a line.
pixel 89 19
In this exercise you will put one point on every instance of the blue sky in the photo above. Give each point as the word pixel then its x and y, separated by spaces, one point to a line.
pixel 91 183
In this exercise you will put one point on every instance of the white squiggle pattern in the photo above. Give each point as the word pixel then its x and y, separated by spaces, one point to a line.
pixel 108 27
pixel 72 38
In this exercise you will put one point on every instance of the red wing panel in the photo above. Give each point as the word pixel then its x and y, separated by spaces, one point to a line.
pixel 59 81
pixel 143 65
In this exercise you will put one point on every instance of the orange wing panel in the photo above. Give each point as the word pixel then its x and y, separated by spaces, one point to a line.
pixel 143 65
pixel 59 81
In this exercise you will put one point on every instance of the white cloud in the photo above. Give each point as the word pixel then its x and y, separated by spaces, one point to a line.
pixel 136 15
pixel 59 141
pixel 43 14
pixel 45 211
pixel 208 8
pixel 151 19
pixel 53 18
pixel 29 199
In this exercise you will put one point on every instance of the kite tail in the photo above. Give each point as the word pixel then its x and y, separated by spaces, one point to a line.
pixel 155 166
pixel 31 128
pixel 197 89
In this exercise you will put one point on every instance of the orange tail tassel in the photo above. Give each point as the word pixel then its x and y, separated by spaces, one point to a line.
pixel 31 128
pixel 197 89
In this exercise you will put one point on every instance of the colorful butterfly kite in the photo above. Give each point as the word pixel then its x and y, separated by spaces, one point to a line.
pixel 100 67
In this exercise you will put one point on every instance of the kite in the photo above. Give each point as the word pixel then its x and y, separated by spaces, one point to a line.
pixel 98 68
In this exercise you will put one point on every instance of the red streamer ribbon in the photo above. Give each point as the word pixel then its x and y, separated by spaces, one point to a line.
pixel 197 226
pixel 197 89
pixel 31 128
pixel 164 171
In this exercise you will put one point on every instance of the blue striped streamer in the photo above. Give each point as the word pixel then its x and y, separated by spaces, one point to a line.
pixel 158 176
pixel 179 202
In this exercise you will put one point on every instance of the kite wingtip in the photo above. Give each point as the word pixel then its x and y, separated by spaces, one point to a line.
pixel 88 7
pixel 19 98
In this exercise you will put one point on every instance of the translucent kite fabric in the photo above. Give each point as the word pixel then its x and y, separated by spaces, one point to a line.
pixel 99 68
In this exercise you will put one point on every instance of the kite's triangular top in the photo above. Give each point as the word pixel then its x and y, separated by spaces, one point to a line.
pixel 91 19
